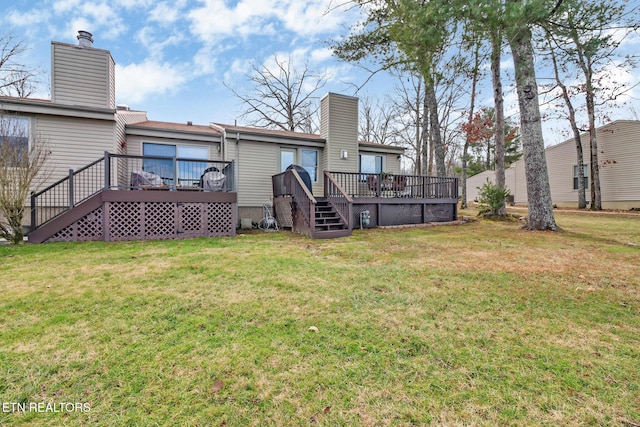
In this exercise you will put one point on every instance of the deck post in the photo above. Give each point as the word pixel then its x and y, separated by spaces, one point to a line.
pixel 107 170
pixel 33 210
pixel 174 186
pixel 70 188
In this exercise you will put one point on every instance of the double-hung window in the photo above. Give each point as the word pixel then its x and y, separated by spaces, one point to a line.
pixel 14 139
pixel 310 163
pixel 576 179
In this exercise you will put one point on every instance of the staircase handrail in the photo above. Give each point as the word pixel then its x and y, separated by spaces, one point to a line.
pixel 338 198
pixel 304 202
pixel 71 199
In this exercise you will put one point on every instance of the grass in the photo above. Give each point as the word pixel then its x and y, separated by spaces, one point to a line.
pixel 480 325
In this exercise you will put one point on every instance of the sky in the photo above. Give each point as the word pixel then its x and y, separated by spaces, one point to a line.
pixel 176 59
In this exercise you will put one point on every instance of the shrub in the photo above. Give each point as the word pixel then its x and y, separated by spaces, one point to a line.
pixel 492 199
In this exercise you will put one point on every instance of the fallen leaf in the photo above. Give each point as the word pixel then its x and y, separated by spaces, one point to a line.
pixel 217 386
pixel 326 410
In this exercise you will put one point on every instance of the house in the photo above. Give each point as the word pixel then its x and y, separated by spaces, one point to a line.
pixel 618 155
pixel 97 146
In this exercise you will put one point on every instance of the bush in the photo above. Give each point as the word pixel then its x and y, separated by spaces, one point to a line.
pixel 492 199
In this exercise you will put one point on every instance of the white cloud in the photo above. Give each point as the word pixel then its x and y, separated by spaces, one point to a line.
pixel 65 17
pixel 205 61
pixel 136 83
pixel 312 17
pixel 321 55
pixel 32 17
pixel 166 13
pixel 237 71
pixel 130 4
pixel 62 6
pixel 147 36
pixel 215 19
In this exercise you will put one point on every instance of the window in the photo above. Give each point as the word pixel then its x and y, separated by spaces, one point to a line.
pixel 586 176
pixel 14 131
pixel 188 172
pixel 287 158
pixel 308 159
pixel 370 163
pixel 310 163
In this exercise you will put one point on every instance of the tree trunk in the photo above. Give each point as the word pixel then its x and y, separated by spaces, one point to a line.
pixel 434 127
pixel 582 200
pixel 427 146
pixel 538 189
pixel 472 107
pixel 496 39
pixel 419 134
pixel 596 197
pixel 463 178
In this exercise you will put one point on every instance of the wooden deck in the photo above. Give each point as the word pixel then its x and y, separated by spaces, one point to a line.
pixel 115 198
pixel 112 215
pixel 367 200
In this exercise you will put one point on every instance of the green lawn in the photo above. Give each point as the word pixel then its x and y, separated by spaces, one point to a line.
pixel 481 324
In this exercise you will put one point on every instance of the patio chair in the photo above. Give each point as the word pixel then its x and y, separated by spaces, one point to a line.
pixel 372 183
pixel 399 186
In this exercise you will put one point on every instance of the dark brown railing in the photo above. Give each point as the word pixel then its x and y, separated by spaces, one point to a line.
pixel 339 199
pixel 396 185
pixel 289 184
pixel 117 171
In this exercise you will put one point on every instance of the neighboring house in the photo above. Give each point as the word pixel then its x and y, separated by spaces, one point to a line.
pixel 618 157
pixel 81 123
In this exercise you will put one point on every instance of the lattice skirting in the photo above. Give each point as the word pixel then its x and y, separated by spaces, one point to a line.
pixel 152 221
pixel 89 227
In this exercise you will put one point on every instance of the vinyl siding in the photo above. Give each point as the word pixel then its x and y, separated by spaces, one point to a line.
pixel 82 76
pixel 476 181
pixel 339 126
pixel 510 181
pixel 618 157
pixel 124 118
pixel 561 159
pixel 74 143
pixel 393 163
pixel 257 163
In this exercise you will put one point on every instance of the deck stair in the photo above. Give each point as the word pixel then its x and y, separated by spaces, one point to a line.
pixel 328 223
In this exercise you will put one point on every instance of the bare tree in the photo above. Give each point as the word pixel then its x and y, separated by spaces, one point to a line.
pixel 571 116
pixel 408 103
pixel 22 169
pixel 377 122
pixel 15 79
pixel 588 37
pixel 281 97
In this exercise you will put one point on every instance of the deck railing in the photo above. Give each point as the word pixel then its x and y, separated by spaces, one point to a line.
pixel 117 171
pixel 338 198
pixel 396 185
pixel 289 184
